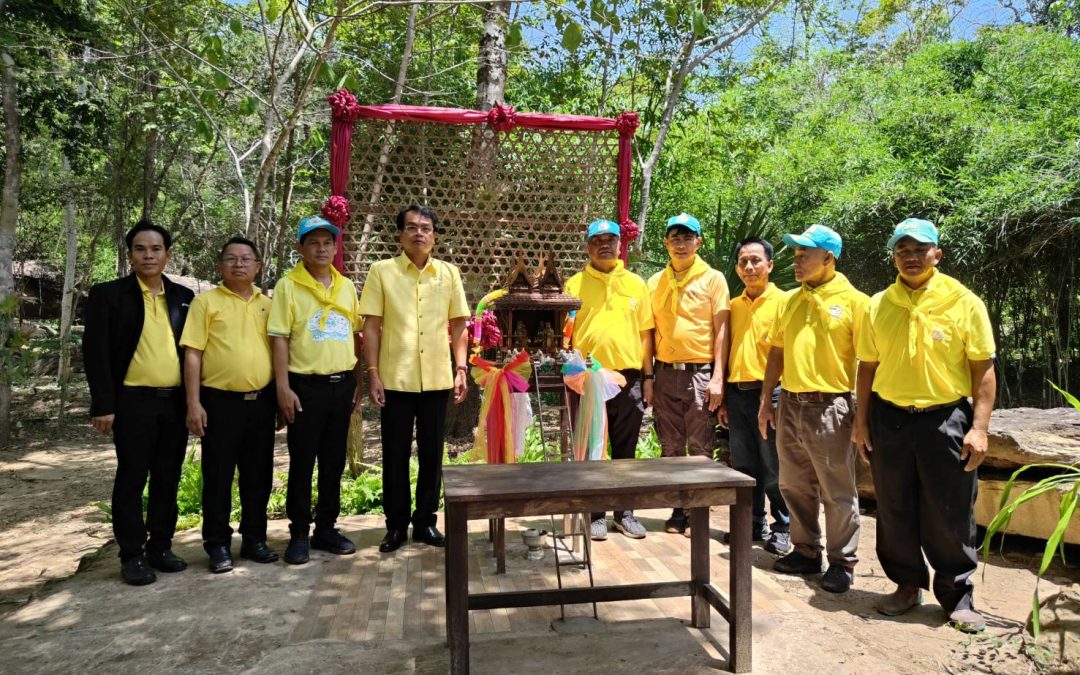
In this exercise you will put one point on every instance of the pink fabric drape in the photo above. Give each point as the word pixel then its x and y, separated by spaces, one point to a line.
pixel 500 118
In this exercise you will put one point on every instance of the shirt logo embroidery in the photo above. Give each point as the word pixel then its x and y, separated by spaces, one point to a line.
pixel 633 303
pixel 336 328
pixel 937 335
pixel 836 311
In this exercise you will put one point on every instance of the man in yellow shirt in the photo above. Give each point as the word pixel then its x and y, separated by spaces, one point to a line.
pixel 228 372
pixel 132 357
pixel 690 311
pixel 312 327
pixel 614 326
pixel 926 346
pixel 752 315
pixel 407 303
pixel 813 348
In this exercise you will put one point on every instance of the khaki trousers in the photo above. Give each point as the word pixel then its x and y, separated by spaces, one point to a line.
pixel 817 467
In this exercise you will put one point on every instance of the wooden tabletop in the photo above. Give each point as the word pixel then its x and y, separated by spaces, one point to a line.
pixel 499 482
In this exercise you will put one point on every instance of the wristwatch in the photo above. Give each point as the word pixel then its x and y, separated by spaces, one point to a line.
pixel 463 369
pixel 648 376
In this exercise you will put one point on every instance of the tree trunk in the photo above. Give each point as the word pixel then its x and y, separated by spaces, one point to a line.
pixel 9 215
pixel 406 54
pixel 491 68
pixel 67 301
pixel 150 148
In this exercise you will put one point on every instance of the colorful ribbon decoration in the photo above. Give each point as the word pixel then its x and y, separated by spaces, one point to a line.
pixel 568 329
pixel 596 385
pixel 495 433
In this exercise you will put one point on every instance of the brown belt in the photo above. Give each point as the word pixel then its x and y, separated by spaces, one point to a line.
pixel 914 409
pixel 814 396
pixel 747 386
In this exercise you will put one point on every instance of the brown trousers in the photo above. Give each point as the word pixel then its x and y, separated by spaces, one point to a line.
pixel 817 467
pixel 681 413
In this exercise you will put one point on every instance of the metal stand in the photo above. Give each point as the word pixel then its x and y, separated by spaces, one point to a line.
pixel 575 526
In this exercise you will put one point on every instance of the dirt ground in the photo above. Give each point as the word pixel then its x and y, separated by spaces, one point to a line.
pixel 64 609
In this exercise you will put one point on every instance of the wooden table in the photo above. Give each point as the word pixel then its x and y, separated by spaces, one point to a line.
pixel 511 490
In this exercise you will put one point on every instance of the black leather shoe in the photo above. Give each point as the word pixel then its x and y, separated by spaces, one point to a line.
pixel 220 559
pixel 297 552
pixel 136 571
pixel 837 579
pixel 333 542
pixel 166 561
pixel 393 540
pixel 258 551
pixel 796 563
pixel 429 535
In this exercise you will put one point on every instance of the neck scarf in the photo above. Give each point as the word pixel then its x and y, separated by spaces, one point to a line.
pixel 938 293
pixel 606 277
pixel 672 285
pixel 327 296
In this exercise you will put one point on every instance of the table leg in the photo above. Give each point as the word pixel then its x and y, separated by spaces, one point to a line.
pixel 457 590
pixel 500 546
pixel 699 566
pixel 740 627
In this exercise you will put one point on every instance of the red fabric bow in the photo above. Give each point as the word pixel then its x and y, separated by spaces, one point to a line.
pixel 501 117
pixel 627 123
pixel 336 210
pixel 343 106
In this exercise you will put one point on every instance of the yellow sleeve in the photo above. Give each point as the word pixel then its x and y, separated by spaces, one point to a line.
pixel 281 314
pixel 980 338
pixel 644 309
pixel 721 297
pixel 197 328
pixel 776 330
pixel 354 302
pixel 865 339
pixel 371 298
pixel 859 304
pixel 459 305
pixel 573 286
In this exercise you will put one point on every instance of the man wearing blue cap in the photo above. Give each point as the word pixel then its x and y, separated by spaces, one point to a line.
pixel 813 347
pixel 614 326
pixel 312 326
pixel 690 303
pixel 926 346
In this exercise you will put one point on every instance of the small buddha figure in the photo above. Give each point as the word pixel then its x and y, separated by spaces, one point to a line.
pixel 521 337
pixel 549 338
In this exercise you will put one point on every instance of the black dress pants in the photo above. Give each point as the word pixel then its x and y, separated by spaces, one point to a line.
pixel 150 434
pixel 925 499
pixel 239 437
pixel 426 412
pixel 320 432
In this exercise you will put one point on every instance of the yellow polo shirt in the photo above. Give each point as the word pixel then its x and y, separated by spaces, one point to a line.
pixel 155 363
pixel 615 309
pixel 319 322
pixel 817 329
pixel 416 306
pixel 923 339
pixel 684 324
pixel 231 333
pixel 750 324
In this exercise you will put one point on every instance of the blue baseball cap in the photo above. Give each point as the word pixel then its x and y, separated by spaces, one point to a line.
pixel 312 223
pixel 685 220
pixel 817 236
pixel 922 231
pixel 603 226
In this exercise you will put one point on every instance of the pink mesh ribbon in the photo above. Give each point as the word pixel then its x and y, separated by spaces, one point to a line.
pixel 343 106
pixel 627 123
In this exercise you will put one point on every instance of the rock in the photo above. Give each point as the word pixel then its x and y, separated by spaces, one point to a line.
pixel 1059 622
pixel 1020 436
pixel 1036 518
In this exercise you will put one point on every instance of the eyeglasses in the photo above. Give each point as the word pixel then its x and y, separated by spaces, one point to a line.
pixel 412 229
pixel 681 239
pixel 233 260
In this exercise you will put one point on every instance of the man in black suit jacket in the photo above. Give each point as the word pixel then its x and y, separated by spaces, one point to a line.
pixel 133 361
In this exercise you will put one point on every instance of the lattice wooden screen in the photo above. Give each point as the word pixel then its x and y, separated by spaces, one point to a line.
pixel 500 195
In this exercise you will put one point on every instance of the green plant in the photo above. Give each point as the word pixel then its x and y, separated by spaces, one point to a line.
pixel 1069 475
pixel 649 447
